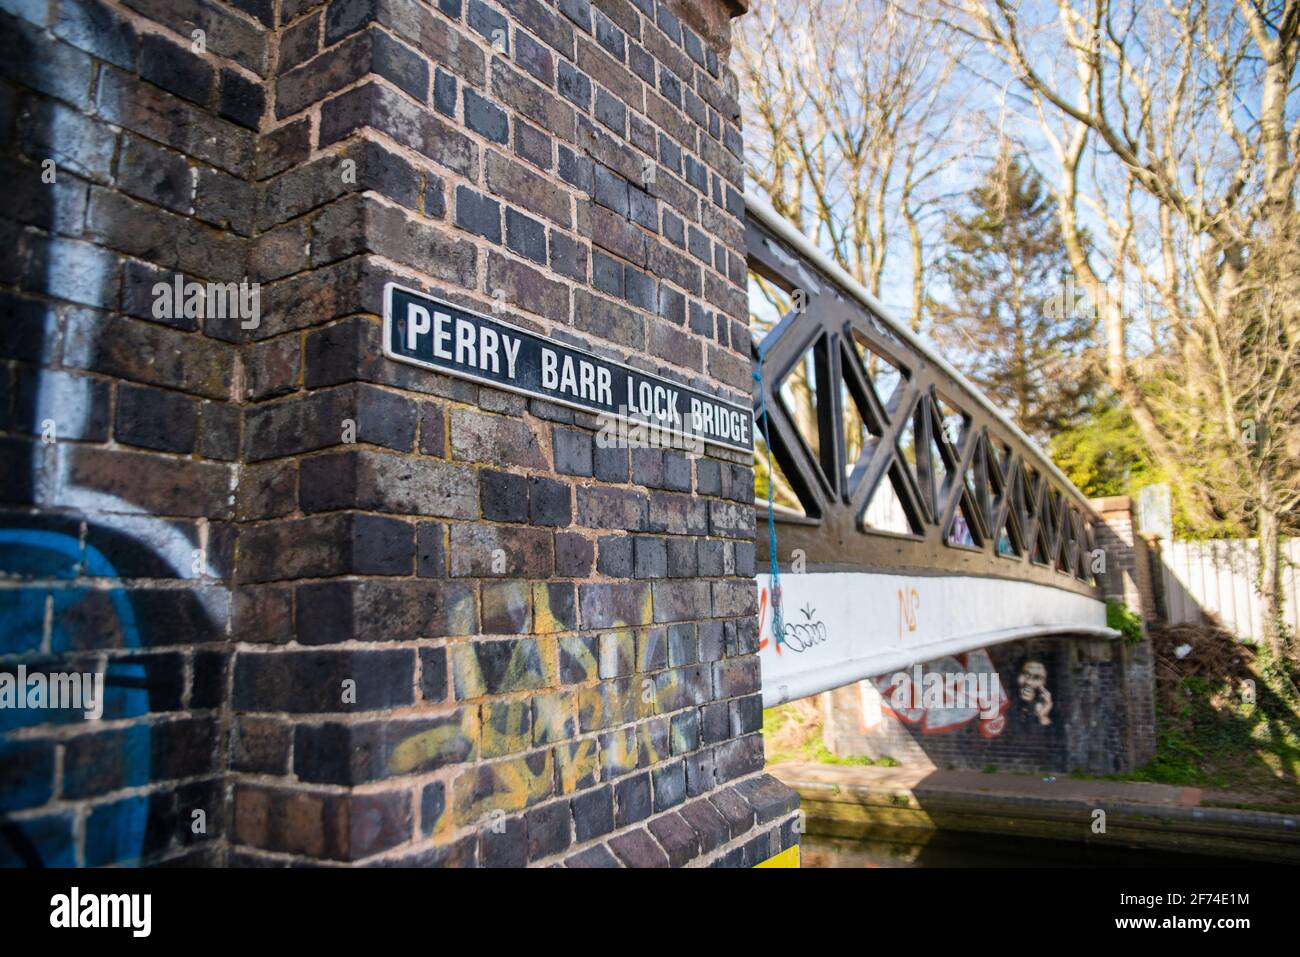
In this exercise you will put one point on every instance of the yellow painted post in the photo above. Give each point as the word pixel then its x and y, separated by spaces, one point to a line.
pixel 787 858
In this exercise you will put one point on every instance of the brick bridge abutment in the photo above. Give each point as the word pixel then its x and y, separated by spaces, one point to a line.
pixel 1070 703
pixel 353 611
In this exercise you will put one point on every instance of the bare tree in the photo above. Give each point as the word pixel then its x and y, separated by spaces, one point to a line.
pixel 1174 128
pixel 849 124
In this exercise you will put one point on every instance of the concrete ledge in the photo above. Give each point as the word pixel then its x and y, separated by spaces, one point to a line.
pixel 909 803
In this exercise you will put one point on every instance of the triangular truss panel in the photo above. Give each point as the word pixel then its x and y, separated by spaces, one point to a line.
pixel 881 457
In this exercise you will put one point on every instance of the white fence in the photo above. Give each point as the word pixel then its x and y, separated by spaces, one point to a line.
pixel 1218 577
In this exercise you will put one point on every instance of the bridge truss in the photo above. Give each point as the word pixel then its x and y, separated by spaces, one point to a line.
pixel 896 469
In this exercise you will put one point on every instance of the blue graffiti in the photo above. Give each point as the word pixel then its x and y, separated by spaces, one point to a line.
pixel 115 831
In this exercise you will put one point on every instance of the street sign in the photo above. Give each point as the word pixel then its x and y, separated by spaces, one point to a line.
pixel 439 335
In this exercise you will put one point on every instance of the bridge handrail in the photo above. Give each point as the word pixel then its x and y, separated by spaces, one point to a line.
pixel 785 230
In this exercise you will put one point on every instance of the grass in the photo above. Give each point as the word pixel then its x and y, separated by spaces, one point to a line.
pixel 1119 617
pixel 793 732
pixel 1210 734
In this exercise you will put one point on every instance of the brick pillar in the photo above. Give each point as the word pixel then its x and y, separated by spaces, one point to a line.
pixel 355 611
pixel 1128 562
pixel 1158 601
pixel 551 645
pixel 1132 566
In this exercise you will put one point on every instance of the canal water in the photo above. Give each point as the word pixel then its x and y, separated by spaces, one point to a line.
pixel 960 849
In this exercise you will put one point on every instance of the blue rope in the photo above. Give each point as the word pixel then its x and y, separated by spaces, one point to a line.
pixel 778 619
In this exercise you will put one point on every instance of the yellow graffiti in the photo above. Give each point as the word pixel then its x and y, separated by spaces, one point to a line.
pixel 577 762
pixel 620 750
pixel 544 620
pixel 415 750
pixel 553 717
pixel 505 728
pixel 506 786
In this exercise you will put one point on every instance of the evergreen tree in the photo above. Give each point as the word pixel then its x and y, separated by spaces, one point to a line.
pixel 1012 321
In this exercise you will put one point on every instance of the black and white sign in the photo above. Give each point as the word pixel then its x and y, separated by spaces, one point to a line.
pixel 438 335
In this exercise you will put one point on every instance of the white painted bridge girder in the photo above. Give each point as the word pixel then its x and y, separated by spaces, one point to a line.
pixel 842 627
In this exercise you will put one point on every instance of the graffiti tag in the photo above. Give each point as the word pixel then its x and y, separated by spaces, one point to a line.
pixel 909 603
pixel 798 636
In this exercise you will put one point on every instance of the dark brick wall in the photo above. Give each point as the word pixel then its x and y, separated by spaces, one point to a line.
pixel 1090 725
pixel 287 544
pixel 127 156
pixel 1102 691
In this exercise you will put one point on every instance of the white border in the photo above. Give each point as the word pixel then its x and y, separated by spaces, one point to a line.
pixel 390 287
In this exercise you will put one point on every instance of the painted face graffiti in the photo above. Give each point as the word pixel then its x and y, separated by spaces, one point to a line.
pixel 1032 687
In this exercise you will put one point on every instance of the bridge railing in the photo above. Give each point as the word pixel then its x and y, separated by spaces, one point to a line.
pixel 885 457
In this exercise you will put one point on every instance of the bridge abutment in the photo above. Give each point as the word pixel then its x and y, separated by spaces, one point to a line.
pixel 1132 559
pixel 566 674
pixel 1134 577
pixel 1069 702
pixel 371 613
pixel 1065 706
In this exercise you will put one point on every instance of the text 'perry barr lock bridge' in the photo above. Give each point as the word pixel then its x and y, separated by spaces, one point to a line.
pixel 442 336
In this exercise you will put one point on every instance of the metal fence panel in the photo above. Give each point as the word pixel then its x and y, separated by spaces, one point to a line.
pixel 1217 577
